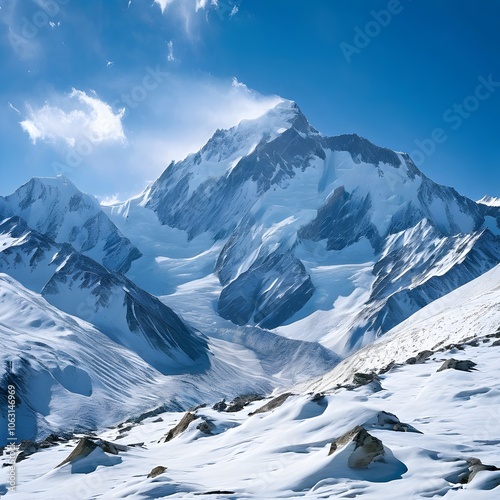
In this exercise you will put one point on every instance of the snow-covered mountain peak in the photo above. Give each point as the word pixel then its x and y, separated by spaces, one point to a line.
pixel 227 147
pixel 56 208
pixel 490 201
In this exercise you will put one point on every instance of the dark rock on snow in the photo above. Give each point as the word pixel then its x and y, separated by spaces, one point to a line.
pixel 463 365
pixel 157 471
pixel 179 428
pixel 367 447
pixel 273 404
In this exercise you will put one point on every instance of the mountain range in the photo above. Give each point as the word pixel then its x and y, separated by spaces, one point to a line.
pixel 259 263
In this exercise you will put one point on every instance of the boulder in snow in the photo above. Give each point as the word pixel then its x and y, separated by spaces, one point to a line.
pixel 367 448
pixel 463 365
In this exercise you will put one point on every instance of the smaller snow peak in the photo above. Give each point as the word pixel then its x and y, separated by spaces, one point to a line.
pixel 490 201
pixel 38 186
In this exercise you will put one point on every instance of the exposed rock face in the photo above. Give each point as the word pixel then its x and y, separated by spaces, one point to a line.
pixel 273 404
pixel 367 447
pixel 239 402
pixel 268 294
pixel 157 471
pixel 220 406
pixel 87 445
pixel 421 357
pixel 463 365
pixel 84 448
pixel 359 379
pixel 179 428
pixel 206 427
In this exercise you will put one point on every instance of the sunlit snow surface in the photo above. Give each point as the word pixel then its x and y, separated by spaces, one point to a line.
pixel 284 453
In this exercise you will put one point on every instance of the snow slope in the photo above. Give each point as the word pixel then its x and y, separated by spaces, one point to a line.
pixel 470 311
pixel 70 376
pixel 285 453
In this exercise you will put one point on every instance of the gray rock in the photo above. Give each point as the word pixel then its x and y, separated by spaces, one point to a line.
pixel 239 402
pixel 87 445
pixel 218 492
pixel 179 428
pixel 363 378
pixel 206 427
pixel 84 448
pixel 220 406
pixel 463 365
pixel 26 448
pixel 360 379
pixel 419 358
pixel 318 397
pixel 496 343
pixel 389 421
pixel 475 465
pixel 367 447
pixel 273 404
pixel 159 469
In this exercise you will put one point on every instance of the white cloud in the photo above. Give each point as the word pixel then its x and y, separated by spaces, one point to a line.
pixel 163 4
pixel 176 119
pixel 11 106
pixel 194 110
pixel 76 116
pixel 188 12
pixel 170 51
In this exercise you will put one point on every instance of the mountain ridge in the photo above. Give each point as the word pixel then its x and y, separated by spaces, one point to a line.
pixel 265 200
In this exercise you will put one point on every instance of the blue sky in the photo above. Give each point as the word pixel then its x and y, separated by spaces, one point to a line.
pixel 108 92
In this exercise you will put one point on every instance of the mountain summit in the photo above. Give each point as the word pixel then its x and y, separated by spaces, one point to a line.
pixel 311 226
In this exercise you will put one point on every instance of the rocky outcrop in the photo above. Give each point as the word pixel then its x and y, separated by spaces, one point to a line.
pixel 206 426
pixel 179 428
pixel 421 357
pixel 389 421
pixel 367 448
pixel 87 445
pixel 270 292
pixel 463 365
pixel 156 471
pixel 473 466
pixel 273 404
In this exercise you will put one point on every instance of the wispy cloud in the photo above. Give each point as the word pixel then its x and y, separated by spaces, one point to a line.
pixel 192 111
pixel 163 4
pixel 73 117
pixel 170 51
pixel 11 106
pixel 190 12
